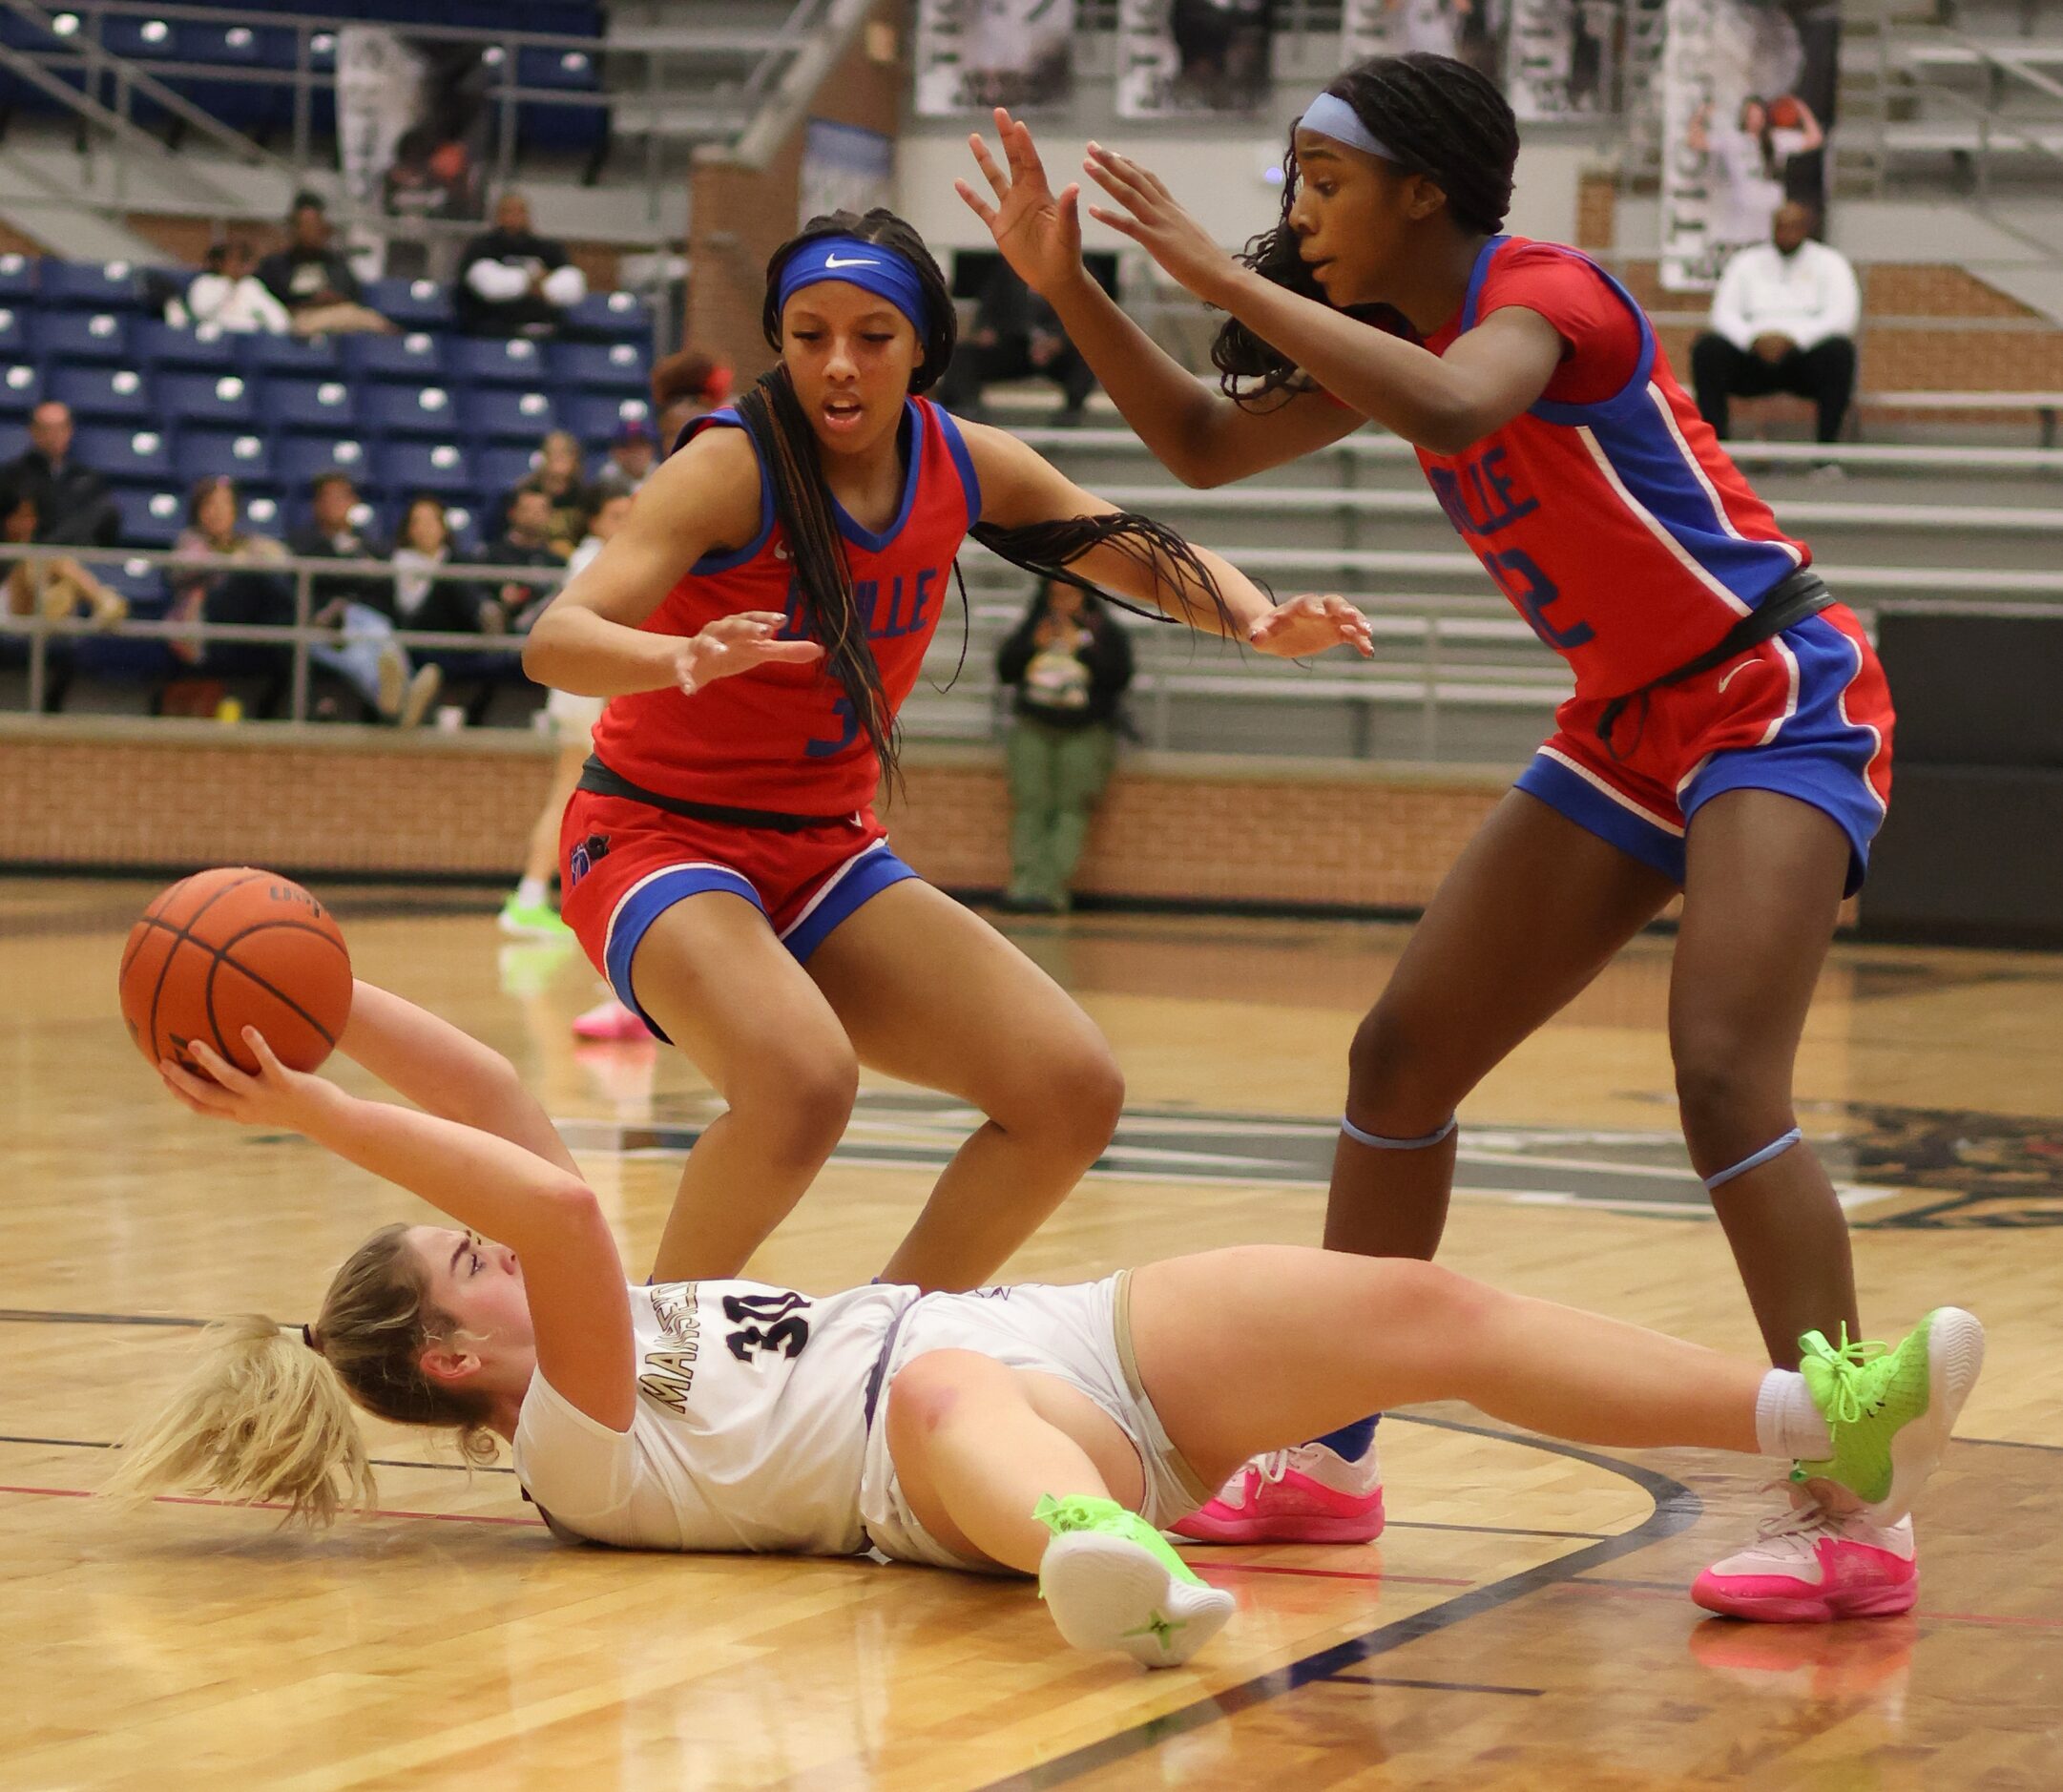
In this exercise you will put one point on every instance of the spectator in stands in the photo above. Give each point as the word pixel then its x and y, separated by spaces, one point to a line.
pixel 561 476
pixel 514 283
pixel 246 594
pixel 1015 336
pixel 525 540
pixel 421 600
pixel 229 295
pixel 1748 174
pixel 1783 319
pixel 686 384
pixel 48 585
pixel 72 500
pixel 359 606
pixel 1070 664
pixel 311 278
pixel 629 464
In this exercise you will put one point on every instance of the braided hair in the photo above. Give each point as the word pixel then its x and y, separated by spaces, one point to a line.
pixel 1440 118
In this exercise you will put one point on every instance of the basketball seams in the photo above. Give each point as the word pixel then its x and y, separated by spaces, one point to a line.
pixel 221 957
pixel 164 970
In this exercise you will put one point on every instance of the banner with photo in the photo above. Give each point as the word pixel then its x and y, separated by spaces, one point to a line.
pixel 1178 58
pixel 973 55
pixel 846 168
pixel 413 123
pixel 1473 30
pixel 1748 93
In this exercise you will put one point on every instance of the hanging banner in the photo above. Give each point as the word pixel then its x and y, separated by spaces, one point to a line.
pixel 973 55
pixel 1184 58
pixel 844 169
pixel 1475 31
pixel 1559 57
pixel 1747 97
pixel 411 123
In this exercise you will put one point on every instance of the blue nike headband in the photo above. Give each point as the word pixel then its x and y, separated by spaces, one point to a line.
pixel 878 269
pixel 1330 115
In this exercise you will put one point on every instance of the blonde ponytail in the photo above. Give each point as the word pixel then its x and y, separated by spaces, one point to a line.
pixel 261 1418
pixel 265 1415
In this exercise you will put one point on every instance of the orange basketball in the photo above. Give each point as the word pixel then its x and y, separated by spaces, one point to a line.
pixel 229 948
pixel 1785 114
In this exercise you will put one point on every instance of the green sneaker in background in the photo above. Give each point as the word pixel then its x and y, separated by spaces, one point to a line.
pixel 533 921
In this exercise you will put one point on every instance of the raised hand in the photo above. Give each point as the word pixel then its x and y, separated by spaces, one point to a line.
pixel 1040 236
pixel 738 643
pixel 1153 220
pixel 275 1097
pixel 1309 625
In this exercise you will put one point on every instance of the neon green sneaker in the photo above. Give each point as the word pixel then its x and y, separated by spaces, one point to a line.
pixel 1890 1411
pixel 1111 1582
pixel 533 921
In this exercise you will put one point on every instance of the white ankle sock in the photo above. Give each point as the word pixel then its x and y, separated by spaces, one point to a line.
pixel 1786 1421
pixel 531 892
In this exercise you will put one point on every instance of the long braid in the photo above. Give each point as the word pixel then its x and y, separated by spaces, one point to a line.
pixel 1047 549
pixel 1443 119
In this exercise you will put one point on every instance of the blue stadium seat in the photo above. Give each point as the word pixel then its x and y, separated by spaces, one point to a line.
pixel 91 285
pixel 240 455
pixel 14 438
pixel 264 508
pixel 311 357
pixel 204 349
pixel 297 459
pixel 464 527
pixel 13 334
pixel 255 106
pixel 151 518
pixel 414 356
pixel 111 393
pixel 22 387
pixel 79 336
pixel 502 469
pixel 17 278
pixel 597 418
pixel 602 367
pixel 325 407
pixel 207 398
pixel 415 304
pixel 141 583
pixel 126 456
pixel 407 466
pixel 490 362
pixel 537 66
pixel 411 410
pixel 141 39
pixel 501 414
pixel 618 314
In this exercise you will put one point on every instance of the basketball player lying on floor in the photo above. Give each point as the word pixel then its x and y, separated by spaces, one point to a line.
pixel 1050 1431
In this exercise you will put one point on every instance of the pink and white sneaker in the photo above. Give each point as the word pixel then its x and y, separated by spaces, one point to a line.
pixel 1308 1494
pixel 611 1020
pixel 1812 1566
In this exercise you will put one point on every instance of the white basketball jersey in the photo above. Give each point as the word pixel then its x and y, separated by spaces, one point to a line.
pixel 750 1430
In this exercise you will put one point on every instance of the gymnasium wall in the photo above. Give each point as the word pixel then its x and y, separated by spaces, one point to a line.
pixel 111 794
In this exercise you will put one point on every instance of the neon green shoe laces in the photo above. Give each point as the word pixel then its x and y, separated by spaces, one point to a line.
pixel 1866 1392
pixel 1086 1512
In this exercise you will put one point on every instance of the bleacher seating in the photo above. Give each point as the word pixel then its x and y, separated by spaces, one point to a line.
pixel 160 405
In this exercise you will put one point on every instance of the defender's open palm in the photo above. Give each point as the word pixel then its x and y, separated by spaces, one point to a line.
pixel 1040 236
pixel 738 643
pixel 1310 625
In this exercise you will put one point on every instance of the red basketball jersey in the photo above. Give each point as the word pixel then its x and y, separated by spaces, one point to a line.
pixel 1618 528
pixel 784 737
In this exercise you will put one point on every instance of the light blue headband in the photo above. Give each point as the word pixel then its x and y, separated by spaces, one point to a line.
pixel 886 272
pixel 1330 115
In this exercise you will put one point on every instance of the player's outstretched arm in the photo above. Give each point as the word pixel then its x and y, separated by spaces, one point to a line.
pixel 1021 489
pixel 578 1305
pixel 1440 403
pixel 1201 436
pixel 591 638
pixel 447 1072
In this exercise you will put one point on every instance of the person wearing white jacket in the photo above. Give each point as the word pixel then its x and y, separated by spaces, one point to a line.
pixel 1783 319
pixel 514 283
pixel 229 295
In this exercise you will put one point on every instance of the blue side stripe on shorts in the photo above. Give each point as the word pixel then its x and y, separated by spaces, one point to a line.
pixel 646 904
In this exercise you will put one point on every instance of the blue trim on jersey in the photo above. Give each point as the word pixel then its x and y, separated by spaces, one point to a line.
pixel 856 882
pixel 912 473
pixel 956 445
pixel 1588 808
pixel 728 419
pixel 1645 454
pixel 645 904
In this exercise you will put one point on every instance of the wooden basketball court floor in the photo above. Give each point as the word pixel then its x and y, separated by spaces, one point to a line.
pixel 1521 1624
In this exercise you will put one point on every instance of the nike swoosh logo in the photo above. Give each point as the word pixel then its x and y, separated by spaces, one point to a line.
pixel 857 260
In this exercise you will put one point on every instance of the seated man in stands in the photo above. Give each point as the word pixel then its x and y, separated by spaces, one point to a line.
pixel 1783 319
pixel 514 283
pixel 1015 336
pixel 57 587
pixel 72 500
pixel 525 540
pixel 360 606
pixel 227 294
pixel 629 464
pixel 311 278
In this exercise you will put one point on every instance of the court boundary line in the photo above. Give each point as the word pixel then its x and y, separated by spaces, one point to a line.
pixel 1675 1508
